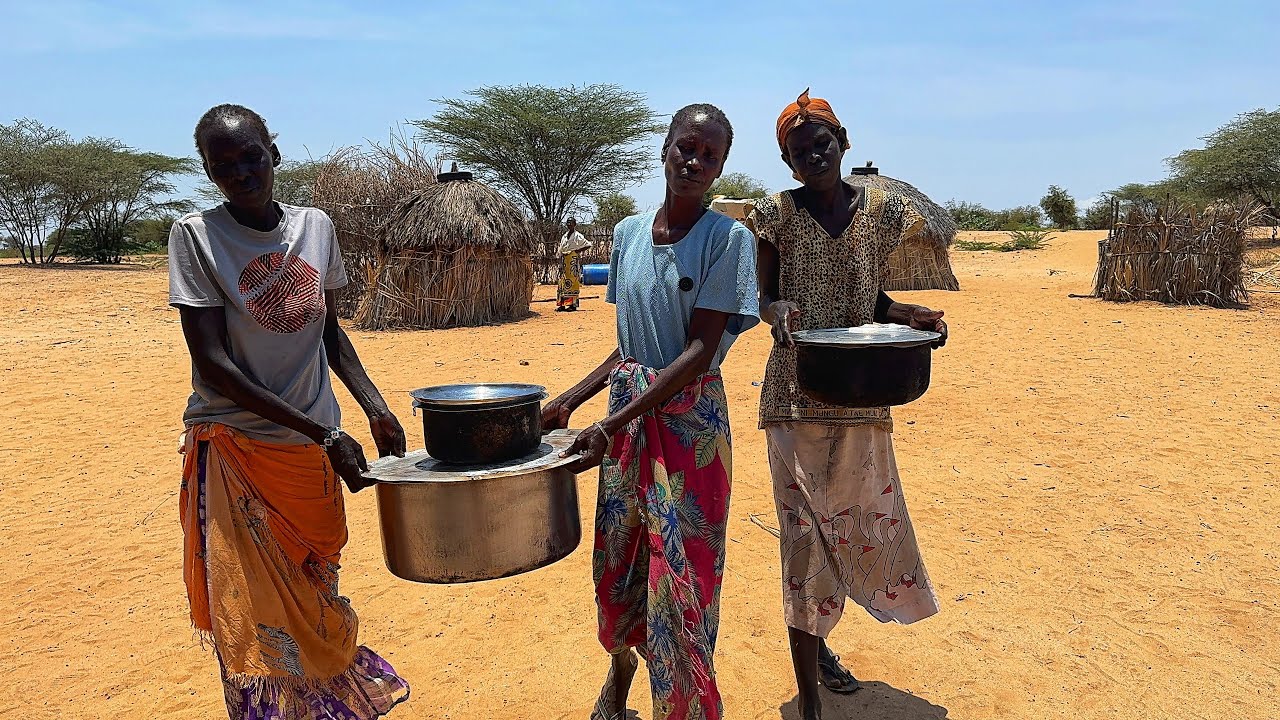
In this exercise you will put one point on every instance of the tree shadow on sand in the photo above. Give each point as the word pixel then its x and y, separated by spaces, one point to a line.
pixel 875 700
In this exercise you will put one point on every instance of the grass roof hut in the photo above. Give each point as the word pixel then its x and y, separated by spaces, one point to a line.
pixel 456 253
pixel 921 262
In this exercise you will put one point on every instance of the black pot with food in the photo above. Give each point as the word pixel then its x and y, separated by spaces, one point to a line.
pixel 873 365
pixel 480 423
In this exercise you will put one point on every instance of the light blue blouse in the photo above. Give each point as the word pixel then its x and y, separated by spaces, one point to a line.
pixel 716 261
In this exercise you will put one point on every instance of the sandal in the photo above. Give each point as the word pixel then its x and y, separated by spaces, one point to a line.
pixel 835 677
pixel 602 713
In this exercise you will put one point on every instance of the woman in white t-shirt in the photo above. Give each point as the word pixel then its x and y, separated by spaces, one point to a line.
pixel 261 506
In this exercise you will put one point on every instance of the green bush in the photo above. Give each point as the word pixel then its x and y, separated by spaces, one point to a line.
pixel 736 186
pixel 1098 216
pixel 1022 217
pixel 613 208
pixel 1060 207
pixel 971 216
pixel 1027 240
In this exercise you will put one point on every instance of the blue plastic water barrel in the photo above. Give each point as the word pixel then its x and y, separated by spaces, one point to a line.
pixel 595 274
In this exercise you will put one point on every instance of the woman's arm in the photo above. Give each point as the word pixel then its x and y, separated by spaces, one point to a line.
pixel 205 330
pixel 780 314
pixel 383 425
pixel 706 329
pixel 556 414
pixel 916 316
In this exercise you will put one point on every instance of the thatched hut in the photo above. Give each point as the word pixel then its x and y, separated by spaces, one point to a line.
pixel 456 253
pixel 1173 254
pixel 922 262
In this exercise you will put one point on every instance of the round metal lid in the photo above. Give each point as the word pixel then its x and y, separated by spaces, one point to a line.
pixel 474 396
pixel 869 335
pixel 418 466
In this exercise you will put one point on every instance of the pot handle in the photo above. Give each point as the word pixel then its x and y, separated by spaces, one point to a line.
pixel 417 403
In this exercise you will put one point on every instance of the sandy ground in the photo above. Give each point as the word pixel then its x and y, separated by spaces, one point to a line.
pixel 1094 487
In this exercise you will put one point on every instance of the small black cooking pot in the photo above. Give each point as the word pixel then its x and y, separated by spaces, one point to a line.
pixel 864 367
pixel 480 423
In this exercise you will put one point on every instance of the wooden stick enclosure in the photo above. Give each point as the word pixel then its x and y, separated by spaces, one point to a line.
pixel 1176 255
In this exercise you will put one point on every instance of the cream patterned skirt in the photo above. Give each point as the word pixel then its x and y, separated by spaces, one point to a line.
pixel 844 526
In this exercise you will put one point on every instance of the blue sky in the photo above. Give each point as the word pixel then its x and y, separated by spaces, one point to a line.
pixel 982 101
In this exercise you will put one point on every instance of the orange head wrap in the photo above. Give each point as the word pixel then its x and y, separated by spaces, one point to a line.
pixel 804 110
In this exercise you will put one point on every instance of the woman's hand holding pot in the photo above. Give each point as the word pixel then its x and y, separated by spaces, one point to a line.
pixel 785 313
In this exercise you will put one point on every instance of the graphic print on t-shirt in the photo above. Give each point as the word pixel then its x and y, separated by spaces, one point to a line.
pixel 282 292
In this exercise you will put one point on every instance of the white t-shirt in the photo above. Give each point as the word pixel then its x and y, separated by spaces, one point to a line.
pixel 573 242
pixel 271 285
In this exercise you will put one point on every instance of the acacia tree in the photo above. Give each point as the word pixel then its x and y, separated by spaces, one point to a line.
pixel 45 185
pixel 54 190
pixel 130 186
pixel 1239 159
pixel 548 148
pixel 613 208
pixel 736 185
pixel 1060 207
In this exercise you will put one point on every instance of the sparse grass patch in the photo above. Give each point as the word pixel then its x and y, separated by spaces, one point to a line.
pixel 1029 239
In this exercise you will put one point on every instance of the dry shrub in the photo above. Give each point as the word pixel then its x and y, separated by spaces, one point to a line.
pixel 358 187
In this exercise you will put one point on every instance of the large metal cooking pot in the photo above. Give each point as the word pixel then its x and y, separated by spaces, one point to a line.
pixel 448 524
pixel 480 423
pixel 872 365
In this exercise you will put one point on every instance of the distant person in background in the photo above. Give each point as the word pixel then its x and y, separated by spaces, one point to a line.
pixel 683 279
pixel 261 504
pixel 823 250
pixel 571 246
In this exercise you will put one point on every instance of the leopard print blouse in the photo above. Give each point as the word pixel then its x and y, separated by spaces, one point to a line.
pixel 835 281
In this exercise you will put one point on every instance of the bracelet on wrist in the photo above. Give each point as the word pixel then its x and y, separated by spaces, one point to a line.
pixel 332 437
pixel 608 436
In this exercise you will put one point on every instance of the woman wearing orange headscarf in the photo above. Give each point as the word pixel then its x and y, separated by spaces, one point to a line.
pixel 845 533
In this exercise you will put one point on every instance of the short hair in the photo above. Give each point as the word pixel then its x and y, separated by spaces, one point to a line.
pixel 228 111
pixel 689 112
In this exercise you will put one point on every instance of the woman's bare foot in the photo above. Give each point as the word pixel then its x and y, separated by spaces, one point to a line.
pixel 612 704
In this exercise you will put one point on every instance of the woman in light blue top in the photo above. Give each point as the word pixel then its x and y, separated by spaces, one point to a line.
pixel 683 279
